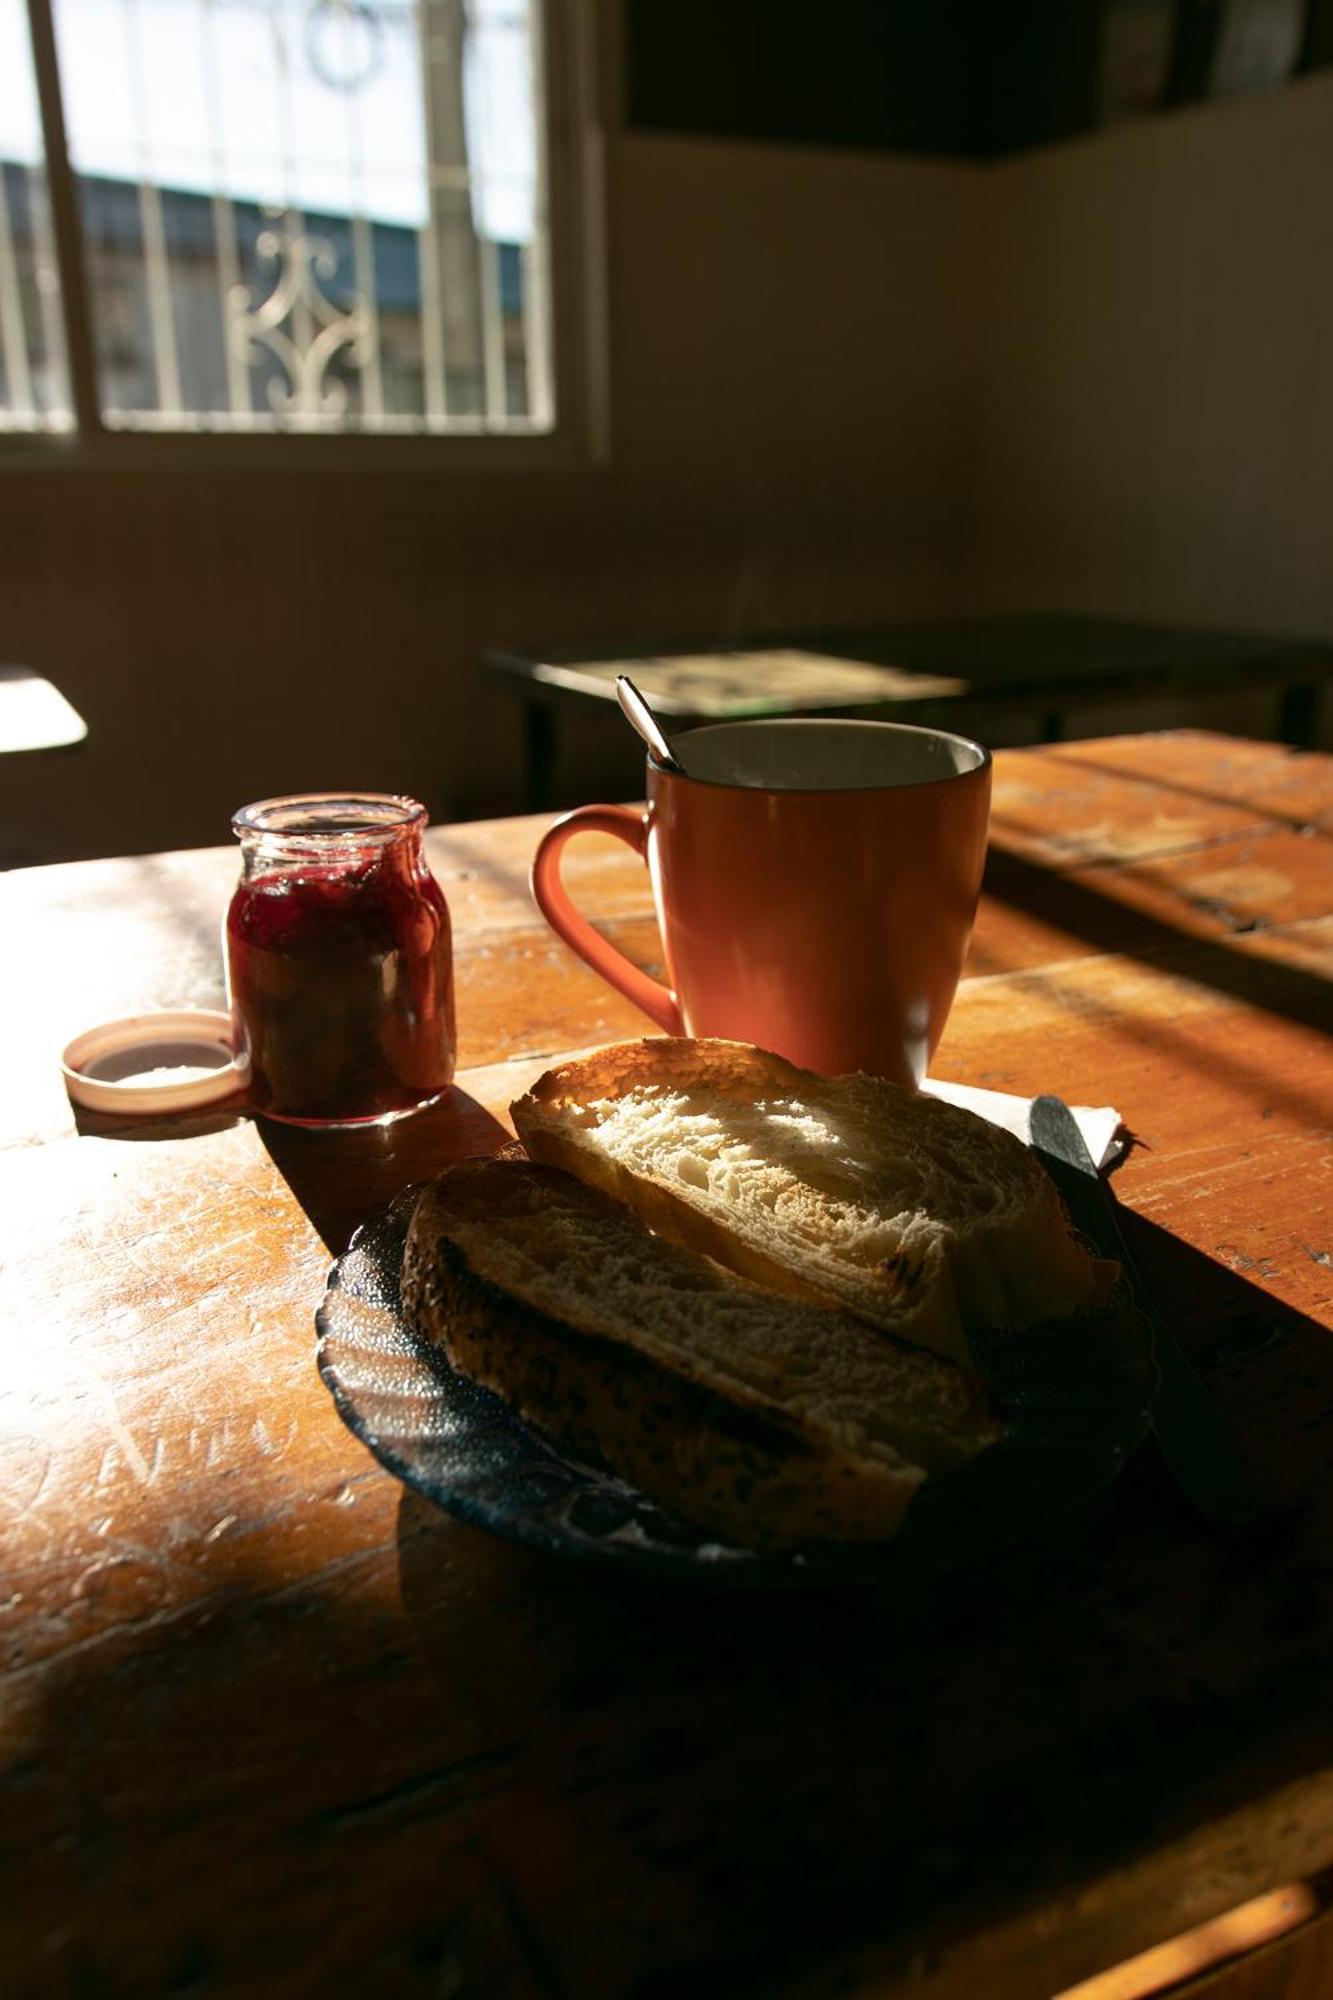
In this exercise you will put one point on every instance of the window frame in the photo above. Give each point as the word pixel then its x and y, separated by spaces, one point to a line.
pixel 575 39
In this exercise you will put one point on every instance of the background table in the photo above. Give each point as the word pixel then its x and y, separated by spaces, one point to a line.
pixel 272 1723
pixel 36 721
pixel 34 715
pixel 950 674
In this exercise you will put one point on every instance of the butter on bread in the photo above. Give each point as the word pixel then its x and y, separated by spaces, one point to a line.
pixel 915 1215
pixel 764 1420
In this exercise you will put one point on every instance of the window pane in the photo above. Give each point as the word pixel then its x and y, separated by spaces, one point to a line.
pixel 312 214
pixel 34 386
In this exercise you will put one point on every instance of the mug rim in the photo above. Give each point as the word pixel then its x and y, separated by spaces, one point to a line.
pixel 681 776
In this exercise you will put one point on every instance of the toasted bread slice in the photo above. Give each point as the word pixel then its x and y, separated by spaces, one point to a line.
pixel 917 1216
pixel 763 1420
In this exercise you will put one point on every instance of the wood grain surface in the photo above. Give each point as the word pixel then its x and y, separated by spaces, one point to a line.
pixel 273 1724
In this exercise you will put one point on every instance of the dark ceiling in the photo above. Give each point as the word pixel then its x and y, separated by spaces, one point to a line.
pixel 968 78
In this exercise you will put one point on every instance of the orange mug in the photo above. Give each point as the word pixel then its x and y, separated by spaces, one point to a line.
pixel 815 885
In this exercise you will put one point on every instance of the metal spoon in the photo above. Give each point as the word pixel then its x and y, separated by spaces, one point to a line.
pixel 647 724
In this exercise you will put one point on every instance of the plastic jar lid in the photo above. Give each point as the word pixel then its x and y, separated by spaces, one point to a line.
pixel 172 1061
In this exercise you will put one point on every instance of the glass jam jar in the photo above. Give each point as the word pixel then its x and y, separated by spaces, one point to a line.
pixel 339 961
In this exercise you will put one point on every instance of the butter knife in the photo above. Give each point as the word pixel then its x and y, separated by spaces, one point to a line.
pixel 1190 1434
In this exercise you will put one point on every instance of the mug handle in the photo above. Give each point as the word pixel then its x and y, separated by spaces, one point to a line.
pixel 658 1002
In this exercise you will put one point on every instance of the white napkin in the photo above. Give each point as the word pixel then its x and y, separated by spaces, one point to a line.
pixel 1099 1125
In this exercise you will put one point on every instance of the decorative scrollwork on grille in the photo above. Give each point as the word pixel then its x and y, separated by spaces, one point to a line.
pixel 344 41
pixel 300 325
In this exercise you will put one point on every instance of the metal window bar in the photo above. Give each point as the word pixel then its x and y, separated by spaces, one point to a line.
pixel 432 323
pixel 363 271
pixel 537 337
pixel 229 288
pixel 226 250
pixel 440 27
pixel 157 273
pixel 34 391
pixel 492 334
pixel 293 250
pixel 62 218
pixel 299 247
pixel 49 284
pixel 157 270
pixel 363 253
pixel 13 332
pixel 534 260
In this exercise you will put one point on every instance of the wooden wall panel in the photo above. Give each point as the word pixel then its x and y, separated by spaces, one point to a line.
pixel 1156 433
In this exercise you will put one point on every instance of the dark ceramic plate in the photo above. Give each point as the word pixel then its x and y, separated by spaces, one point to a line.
pixel 1077 1400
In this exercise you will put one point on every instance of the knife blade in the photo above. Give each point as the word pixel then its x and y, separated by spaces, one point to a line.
pixel 1190 1434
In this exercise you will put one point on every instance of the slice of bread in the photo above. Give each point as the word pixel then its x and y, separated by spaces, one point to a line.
pixel 763 1420
pixel 917 1216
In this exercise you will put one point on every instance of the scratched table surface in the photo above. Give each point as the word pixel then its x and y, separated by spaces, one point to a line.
pixel 273 1724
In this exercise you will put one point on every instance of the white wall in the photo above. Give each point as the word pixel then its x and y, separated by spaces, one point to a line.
pixel 1156 395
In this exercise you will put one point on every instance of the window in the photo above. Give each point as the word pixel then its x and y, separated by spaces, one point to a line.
pixel 279 216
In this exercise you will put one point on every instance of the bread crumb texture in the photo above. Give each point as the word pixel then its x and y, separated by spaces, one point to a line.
pixel 545 1242
pixel 762 1417
pixel 916 1214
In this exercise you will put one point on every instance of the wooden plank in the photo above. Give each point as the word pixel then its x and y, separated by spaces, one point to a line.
pixel 1031 915
pixel 1065 815
pixel 1288 786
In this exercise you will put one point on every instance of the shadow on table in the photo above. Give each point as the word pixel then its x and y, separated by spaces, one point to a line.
pixel 381 1750
pixel 1103 921
pixel 875 1765
pixel 168 1125
pixel 342 1176
pixel 1267 983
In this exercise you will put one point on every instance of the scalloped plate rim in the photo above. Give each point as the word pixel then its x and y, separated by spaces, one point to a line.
pixel 842 1565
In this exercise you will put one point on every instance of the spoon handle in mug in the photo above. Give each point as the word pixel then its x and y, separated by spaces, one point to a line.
pixel 658 1002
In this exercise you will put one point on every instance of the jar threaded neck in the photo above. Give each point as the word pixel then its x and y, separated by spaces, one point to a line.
pixel 316 821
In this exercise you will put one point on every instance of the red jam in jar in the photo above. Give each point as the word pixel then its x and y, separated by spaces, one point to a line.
pixel 339 961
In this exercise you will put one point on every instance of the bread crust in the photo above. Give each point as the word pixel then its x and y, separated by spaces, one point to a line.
pixel 735 1464
pixel 1044 1263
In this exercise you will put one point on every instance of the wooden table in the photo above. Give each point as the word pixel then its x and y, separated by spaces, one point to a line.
pixel 949 673
pixel 273 1724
